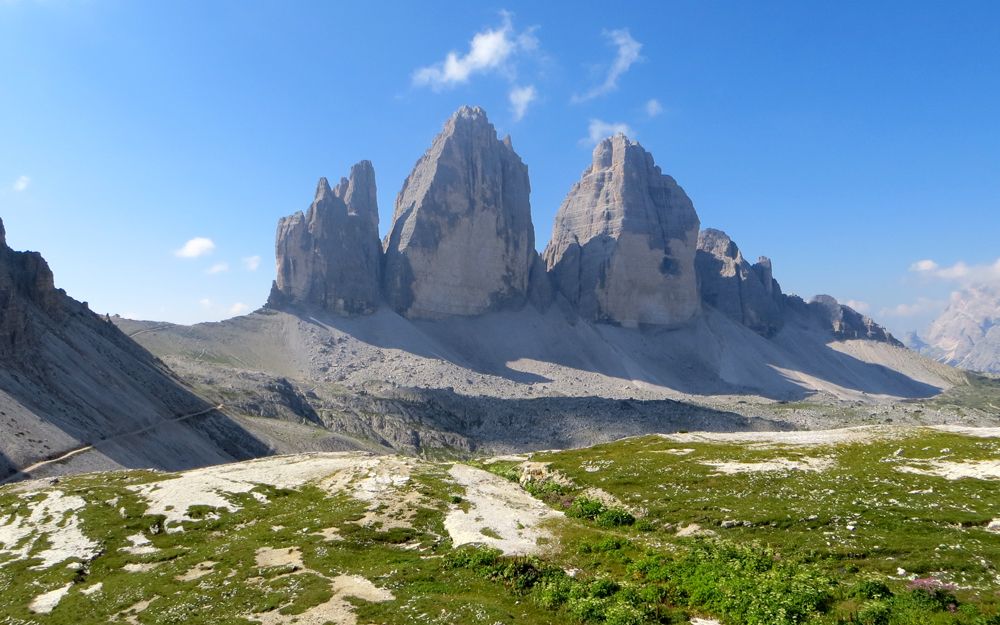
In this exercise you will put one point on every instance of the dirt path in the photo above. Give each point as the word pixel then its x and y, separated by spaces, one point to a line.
pixel 26 472
pixel 144 330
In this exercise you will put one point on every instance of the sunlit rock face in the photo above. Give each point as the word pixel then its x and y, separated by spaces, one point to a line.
pixel 462 241
pixel 330 257
pixel 624 241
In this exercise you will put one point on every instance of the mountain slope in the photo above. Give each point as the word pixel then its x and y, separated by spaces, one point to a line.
pixel 69 378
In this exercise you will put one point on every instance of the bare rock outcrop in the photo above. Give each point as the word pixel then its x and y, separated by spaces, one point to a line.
pixel 330 257
pixel 462 241
pixel 841 320
pixel 624 240
pixel 746 293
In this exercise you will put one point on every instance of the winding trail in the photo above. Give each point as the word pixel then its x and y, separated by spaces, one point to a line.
pixel 151 329
pixel 26 471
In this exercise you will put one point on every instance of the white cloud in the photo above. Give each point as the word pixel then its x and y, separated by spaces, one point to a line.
pixel 218 268
pixel 858 305
pixel 205 302
pixel 238 308
pixel 251 263
pixel 961 271
pixel 490 50
pixel 520 98
pixel 599 130
pixel 21 184
pixel 922 306
pixel 198 246
pixel 653 108
pixel 626 56
pixel 924 265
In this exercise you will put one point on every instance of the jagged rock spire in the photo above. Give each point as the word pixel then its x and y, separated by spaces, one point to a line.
pixel 330 256
pixel 624 239
pixel 462 241
pixel 746 293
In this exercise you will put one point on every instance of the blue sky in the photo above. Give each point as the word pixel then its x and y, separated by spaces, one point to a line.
pixel 848 142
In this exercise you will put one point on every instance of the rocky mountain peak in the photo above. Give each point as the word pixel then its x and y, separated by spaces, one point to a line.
pixel 462 241
pixel 746 293
pixel 847 323
pixel 624 240
pixel 330 256
pixel 967 333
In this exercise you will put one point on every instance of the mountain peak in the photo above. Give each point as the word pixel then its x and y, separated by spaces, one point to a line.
pixel 466 198
pixel 471 113
pixel 624 241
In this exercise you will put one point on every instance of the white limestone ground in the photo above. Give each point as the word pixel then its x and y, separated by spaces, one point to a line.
pixel 969 431
pixel 174 495
pixel 792 438
pixel 45 603
pixel 512 518
pixel 267 557
pixel 140 545
pixel 980 470
pixel 778 464
pixel 54 519
pixel 337 609
pixel 382 482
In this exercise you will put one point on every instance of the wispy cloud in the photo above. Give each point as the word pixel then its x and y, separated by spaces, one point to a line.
pixel 21 184
pixel 653 108
pixel 218 268
pixel 198 246
pixel 490 50
pixel 251 263
pixel 238 308
pixel 960 272
pixel 205 302
pixel 598 130
pixel 922 306
pixel 627 54
pixel 520 98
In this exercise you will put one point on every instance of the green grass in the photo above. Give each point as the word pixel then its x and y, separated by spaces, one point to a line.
pixel 791 547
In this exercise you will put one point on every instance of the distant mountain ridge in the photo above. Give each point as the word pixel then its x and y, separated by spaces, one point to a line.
pixel 967 333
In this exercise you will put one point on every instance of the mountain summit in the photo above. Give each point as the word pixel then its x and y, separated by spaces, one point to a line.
pixel 331 256
pixel 462 240
pixel 624 241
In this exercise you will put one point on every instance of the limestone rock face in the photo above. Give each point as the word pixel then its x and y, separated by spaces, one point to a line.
pixel 747 293
pixel 330 257
pixel 25 282
pixel 624 240
pixel 843 321
pixel 967 334
pixel 462 240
